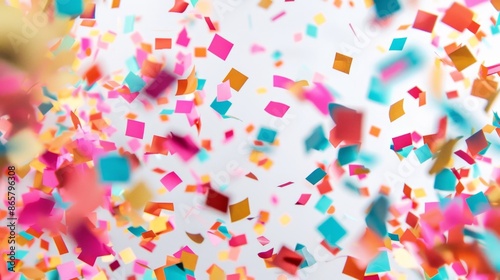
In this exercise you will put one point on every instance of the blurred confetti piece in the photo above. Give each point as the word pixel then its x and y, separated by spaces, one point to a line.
pixel 288 260
pixel 113 168
pixel 462 58
pixel 332 231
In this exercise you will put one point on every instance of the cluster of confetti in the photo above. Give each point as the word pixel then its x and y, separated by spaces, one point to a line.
pixel 241 140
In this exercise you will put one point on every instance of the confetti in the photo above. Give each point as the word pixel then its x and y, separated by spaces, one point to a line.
pixel 239 210
pixel 220 47
pixel 342 63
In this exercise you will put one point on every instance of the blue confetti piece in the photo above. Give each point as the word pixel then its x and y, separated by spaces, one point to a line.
pixel 385 8
pixel 45 107
pixel 423 153
pixel 478 203
pixel 445 180
pixel 174 272
pixel 323 204
pixel 201 84
pixel 137 231
pixel 134 82
pixel 128 27
pixel 71 8
pixel 332 231
pixel 393 236
pixel 492 250
pixel 376 218
pixel 379 92
pixel 203 155
pixel 52 275
pixel 397 44
pixel 132 65
pixel 317 140
pixel 26 235
pixel 114 168
pixel 266 135
pixel 221 107
pixel 379 264
pixel 316 176
pixel 312 30
pixel 348 154
pixel 49 94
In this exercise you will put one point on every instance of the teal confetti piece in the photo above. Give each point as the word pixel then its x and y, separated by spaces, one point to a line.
pixel 312 30
pixel 397 44
pixel 323 204
pixel 132 65
pixel 494 29
pixel 277 55
pixel 316 176
pixel 52 275
pixel 379 264
pixel 66 44
pixel 376 218
pixel 26 235
pixel 478 203
pixel 201 84
pixel 134 82
pixel 496 119
pixel 393 236
pixel 45 107
pixel 113 168
pixel 71 8
pixel 221 107
pixel 379 92
pixel 445 180
pixel 267 135
pixel 128 27
pixel 137 231
pixel 203 155
pixel 49 94
pixel 167 112
pixel 194 2
pixel 59 201
pixel 317 140
pixel 441 275
pixel 308 258
pixel 385 8
pixel 174 272
pixel 405 151
pixel 332 231
pixel 492 250
pixel 423 153
pixel 348 154
pixel 483 151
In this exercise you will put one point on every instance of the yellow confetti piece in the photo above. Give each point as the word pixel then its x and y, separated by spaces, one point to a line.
pixel 396 111
pixel 259 229
pixel 223 255
pixel 25 147
pixel 319 19
pixel 127 255
pixel 419 193
pixel 158 225
pixel 189 260
pixel 285 219
pixel 261 90
pixel 100 276
pixel 138 196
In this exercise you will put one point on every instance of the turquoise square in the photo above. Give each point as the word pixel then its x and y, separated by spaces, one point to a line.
pixel 266 135
pixel 70 8
pixel 114 168
pixel 348 154
pixel 332 231
pixel 478 203
pixel 323 204
pixel 312 31
pixel 221 107
pixel 423 153
pixel 134 82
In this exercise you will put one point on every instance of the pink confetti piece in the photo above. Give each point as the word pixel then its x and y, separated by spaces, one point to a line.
pixel 263 240
pixel 171 181
pixel 303 199
pixel 223 91
pixel 320 97
pixel 220 47
pixel 276 109
pixel 184 106
pixel 282 82
pixel 135 129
